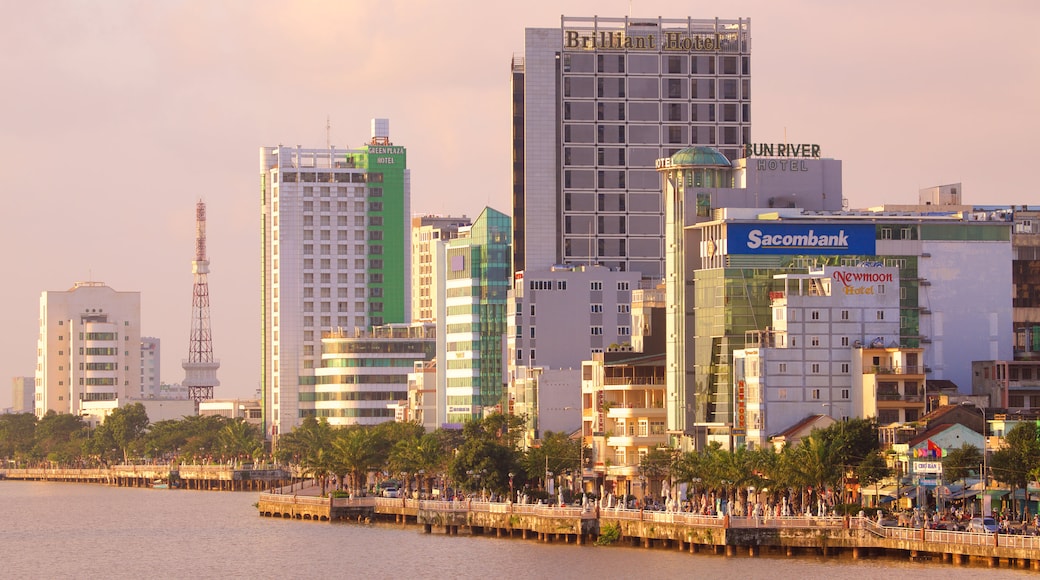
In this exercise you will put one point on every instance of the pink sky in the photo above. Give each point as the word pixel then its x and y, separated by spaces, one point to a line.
pixel 117 116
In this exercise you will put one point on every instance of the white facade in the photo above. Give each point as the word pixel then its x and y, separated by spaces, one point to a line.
pixel 150 367
pixel 363 373
pixel 22 391
pixel 558 317
pixel 89 347
pixel 422 395
pixel 319 226
pixel 803 365
pixel 246 409
pixel 602 99
pixel 428 235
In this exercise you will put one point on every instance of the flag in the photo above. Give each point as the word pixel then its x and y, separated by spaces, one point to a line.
pixel 934 450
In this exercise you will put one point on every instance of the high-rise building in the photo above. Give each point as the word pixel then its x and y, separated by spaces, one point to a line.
pixel 429 234
pixel 151 350
pixel 471 336
pixel 336 233
pixel 89 349
pixel 364 372
pixel 595 103
pixel 22 389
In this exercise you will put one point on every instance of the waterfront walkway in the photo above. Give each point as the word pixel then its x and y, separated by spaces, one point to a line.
pixel 187 476
pixel 731 535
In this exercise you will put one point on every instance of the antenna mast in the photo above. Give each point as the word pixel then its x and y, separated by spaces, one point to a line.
pixel 200 370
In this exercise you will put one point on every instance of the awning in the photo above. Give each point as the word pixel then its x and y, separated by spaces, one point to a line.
pixel 995 493
pixel 963 494
pixel 882 490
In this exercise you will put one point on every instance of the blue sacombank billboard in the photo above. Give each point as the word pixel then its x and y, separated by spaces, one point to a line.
pixel 781 238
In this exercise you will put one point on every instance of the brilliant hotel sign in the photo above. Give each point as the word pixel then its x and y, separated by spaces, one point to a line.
pixel 666 41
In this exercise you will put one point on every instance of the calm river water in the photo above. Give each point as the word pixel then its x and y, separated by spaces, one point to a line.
pixel 55 530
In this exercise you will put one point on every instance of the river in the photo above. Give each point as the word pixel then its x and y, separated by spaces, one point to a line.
pixel 59 530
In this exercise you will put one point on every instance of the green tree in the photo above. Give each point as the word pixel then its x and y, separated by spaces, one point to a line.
pixel 872 470
pixel 59 437
pixel 17 431
pixel 355 455
pixel 240 440
pixel 127 426
pixel 1020 456
pixel 960 462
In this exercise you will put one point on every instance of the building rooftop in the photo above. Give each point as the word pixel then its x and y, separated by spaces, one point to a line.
pixel 700 156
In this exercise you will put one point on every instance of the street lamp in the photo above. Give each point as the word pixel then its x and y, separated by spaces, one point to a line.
pixel 984 476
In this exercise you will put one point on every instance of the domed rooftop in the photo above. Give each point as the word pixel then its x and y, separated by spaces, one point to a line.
pixel 700 156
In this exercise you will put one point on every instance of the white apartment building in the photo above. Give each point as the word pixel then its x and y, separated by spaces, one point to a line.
pixel 336 235
pixel 150 367
pixel 429 233
pixel 364 374
pixel 89 348
pixel 803 364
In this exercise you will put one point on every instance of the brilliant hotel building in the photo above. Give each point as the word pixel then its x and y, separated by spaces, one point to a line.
pixel 336 232
pixel 595 103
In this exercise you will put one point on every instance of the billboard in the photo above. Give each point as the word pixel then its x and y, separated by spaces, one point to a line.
pixel 816 239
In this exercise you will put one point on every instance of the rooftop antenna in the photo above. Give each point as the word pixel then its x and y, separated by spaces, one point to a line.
pixel 328 132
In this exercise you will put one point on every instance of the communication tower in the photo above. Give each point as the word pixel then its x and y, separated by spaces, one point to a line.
pixel 200 370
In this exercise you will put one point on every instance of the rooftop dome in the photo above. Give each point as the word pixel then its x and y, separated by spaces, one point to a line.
pixel 700 156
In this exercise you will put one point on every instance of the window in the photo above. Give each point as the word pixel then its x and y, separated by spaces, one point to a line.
pixel 844 314
pixel 844 341
pixel 595 285
pixel 783 367
pixel 532 356
pixel 622 285
pixel 814 394
pixel 596 331
pixel 815 369
pixel 624 308
pixel 815 341
pixel 880 314
pixel 845 369
pixel 596 308
pixel 845 394
pixel 815 315
pixel 532 310
pixel 624 331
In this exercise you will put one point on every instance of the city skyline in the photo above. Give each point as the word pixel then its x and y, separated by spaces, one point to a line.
pixel 121 116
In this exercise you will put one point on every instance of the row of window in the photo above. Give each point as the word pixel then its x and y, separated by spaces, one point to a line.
pixel 653 134
pixel 328 177
pixel 587 87
pixel 655 64
pixel 656 111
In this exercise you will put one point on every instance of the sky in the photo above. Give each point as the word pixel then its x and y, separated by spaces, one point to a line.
pixel 117 116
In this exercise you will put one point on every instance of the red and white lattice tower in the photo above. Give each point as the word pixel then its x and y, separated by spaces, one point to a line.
pixel 200 370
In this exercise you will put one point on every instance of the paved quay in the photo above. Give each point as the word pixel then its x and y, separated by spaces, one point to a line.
pixel 729 535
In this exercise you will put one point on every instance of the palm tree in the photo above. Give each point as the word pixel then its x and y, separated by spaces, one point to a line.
pixel 355 455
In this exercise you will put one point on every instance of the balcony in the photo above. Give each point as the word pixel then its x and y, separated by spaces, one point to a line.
pixel 894 370
pixel 633 441
pixel 896 397
pixel 629 411
pixel 632 381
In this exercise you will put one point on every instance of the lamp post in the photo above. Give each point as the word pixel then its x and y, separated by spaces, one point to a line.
pixel 983 475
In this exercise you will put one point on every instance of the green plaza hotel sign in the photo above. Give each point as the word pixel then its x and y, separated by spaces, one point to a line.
pixel 386 217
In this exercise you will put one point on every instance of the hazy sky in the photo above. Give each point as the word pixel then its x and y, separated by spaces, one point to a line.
pixel 116 116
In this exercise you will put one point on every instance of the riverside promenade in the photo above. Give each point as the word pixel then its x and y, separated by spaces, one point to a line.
pixel 186 476
pixel 730 535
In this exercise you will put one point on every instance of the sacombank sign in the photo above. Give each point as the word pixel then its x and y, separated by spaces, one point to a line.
pixel 775 238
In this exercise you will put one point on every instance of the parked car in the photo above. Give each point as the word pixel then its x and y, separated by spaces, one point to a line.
pixel 986 525
pixel 391 491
